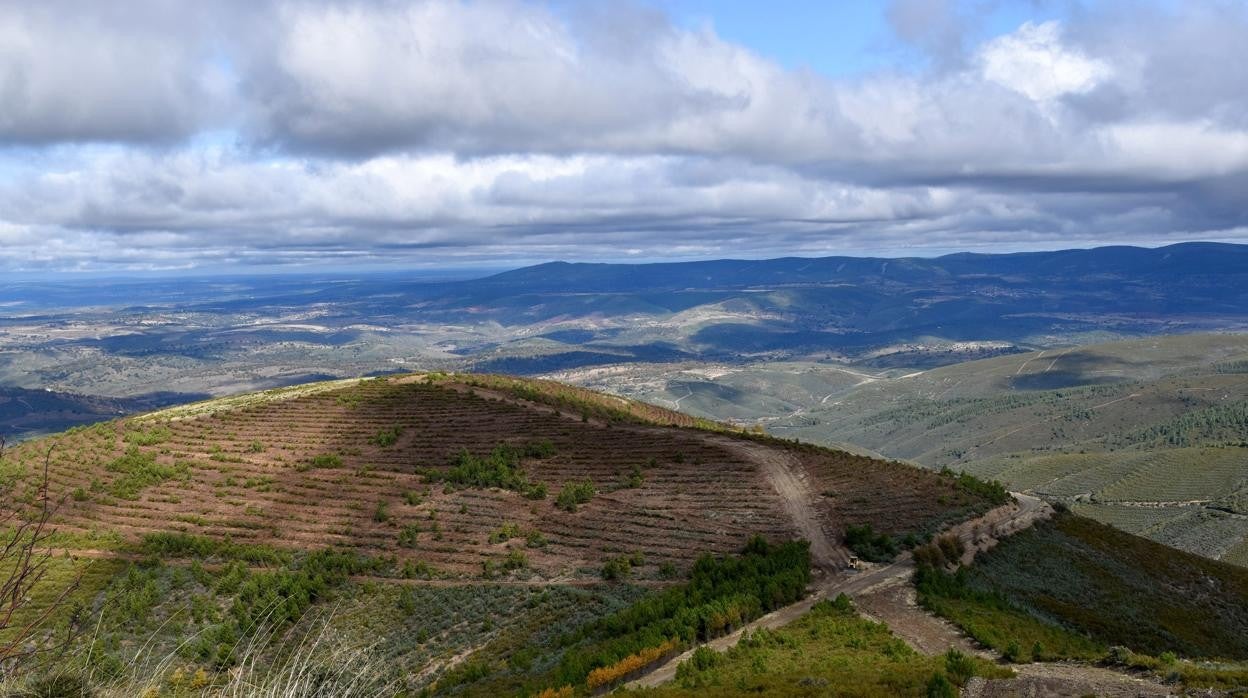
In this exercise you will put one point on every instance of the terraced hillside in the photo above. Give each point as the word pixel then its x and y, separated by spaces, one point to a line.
pixel 436 512
pixel 369 466
pixel 1149 435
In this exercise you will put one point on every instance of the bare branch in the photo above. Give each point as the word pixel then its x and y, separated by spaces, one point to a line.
pixel 26 557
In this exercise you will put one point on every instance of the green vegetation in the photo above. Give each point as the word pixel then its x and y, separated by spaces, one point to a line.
pixel 993 621
pixel 148 437
pixel 635 478
pixel 505 533
pixel 138 470
pixel 323 460
pixel 575 494
pixel 1216 424
pixel 1072 587
pixel 500 468
pixel 272 600
pixel 183 545
pixel 722 594
pixel 829 651
pixel 942 552
pixel 381 513
pixel 991 490
pixel 621 567
pixel 387 437
pixel 869 545
pixel 409 536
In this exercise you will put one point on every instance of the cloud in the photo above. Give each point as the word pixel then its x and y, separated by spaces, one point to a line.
pixel 291 131
pixel 74 71
pixel 1033 61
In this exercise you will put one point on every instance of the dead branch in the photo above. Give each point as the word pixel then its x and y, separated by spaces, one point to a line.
pixel 25 557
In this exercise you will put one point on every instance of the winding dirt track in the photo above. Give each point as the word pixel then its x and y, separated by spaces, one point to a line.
pixel 786 476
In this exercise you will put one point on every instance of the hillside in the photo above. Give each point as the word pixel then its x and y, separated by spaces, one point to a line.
pixel 438 490
pixel 1148 435
pixel 254 469
pixel 486 535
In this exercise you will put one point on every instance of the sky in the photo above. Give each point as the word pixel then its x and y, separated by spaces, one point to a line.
pixel 173 136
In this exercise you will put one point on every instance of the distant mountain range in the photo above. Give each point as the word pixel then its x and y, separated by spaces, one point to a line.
pixel 224 335
pixel 852 306
pixel 1186 263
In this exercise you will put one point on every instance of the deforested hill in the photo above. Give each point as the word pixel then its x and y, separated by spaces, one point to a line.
pixel 457 507
pixel 359 464
pixel 479 535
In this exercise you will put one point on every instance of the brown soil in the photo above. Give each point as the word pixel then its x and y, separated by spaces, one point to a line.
pixel 1044 680
pixel 701 492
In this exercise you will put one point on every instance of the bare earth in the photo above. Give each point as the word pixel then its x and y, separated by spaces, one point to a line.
pixel 886 595
pixel 1064 680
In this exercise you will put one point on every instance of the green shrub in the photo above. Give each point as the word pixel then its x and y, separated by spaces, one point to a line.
pixel 323 460
pixel 704 658
pixel 139 470
pixel 382 513
pixel 722 593
pixel 990 490
pixel 409 536
pixel 500 468
pixel 535 539
pixel 869 545
pixel 148 437
pixel 175 545
pixel 575 494
pixel 386 437
pixel 940 687
pixel 634 479
pixel 959 667
pixel 515 560
pixel 617 568
pixel 505 533
pixel 407 602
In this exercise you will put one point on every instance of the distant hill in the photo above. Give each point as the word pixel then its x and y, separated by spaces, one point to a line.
pixel 229 335
pixel 851 306
pixel 27 413
pixel 1175 265
pixel 1149 435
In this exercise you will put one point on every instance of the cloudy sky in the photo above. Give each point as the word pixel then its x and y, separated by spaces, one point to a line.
pixel 168 135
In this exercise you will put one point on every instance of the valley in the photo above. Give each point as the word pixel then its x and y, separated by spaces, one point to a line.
pixel 1147 435
pixel 834 319
pixel 687 469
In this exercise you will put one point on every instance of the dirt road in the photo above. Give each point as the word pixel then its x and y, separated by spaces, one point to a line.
pixel 785 474
pixel 1066 680
pixel 912 624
